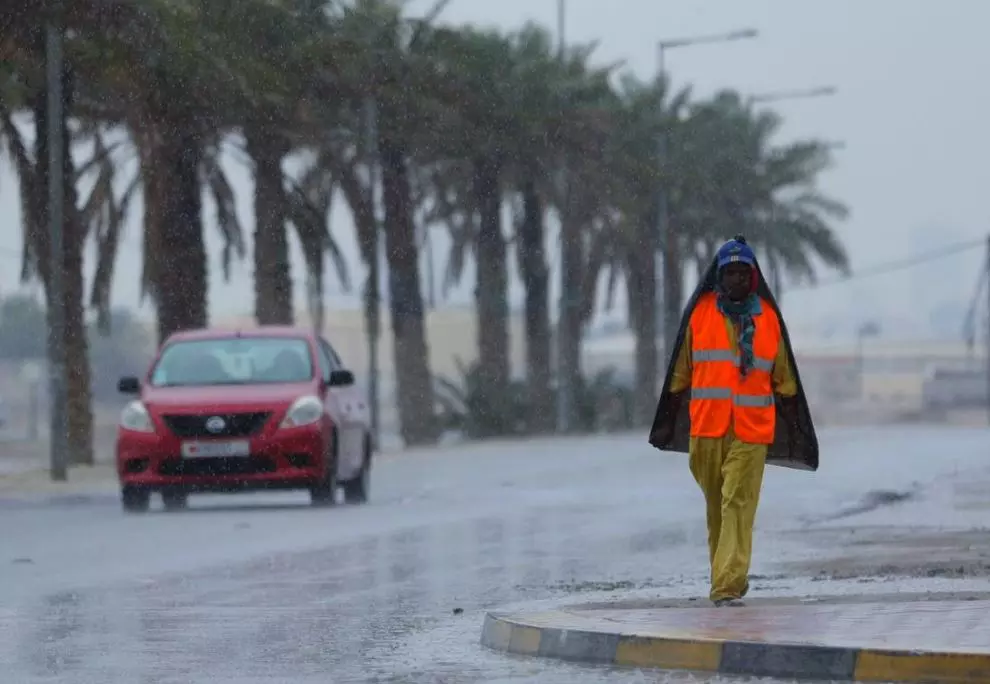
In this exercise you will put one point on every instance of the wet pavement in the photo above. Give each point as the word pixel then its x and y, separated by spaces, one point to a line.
pixel 265 589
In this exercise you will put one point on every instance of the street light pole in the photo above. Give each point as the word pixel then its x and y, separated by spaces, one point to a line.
pixel 988 329
pixel 372 293
pixel 667 269
pixel 565 390
pixel 55 73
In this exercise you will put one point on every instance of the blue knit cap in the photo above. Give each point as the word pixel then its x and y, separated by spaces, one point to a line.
pixel 736 250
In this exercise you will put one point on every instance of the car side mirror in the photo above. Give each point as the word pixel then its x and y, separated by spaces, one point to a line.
pixel 340 378
pixel 129 385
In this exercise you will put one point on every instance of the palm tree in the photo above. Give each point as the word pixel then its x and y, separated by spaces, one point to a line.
pixel 171 101
pixel 733 179
pixel 582 198
pixel 25 88
pixel 642 114
pixel 528 109
pixel 268 148
pixel 476 142
pixel 178 127
pixel 268 107
pixel 102 48
pixel 539 84
pixel 390 65
pixel 287 47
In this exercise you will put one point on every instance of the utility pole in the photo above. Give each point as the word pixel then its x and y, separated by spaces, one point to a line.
pixel 565 392
pixel 667 268
pixel 372 286
pixel 987 361
pixel 55 74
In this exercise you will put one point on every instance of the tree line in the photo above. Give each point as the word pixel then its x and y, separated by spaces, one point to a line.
pixel 411 122
pixel 124 350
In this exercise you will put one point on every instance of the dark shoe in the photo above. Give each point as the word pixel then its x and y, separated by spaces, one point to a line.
pixel 730 603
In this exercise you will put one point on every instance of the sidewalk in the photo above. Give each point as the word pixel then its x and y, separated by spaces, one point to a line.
pixel 95 479
pixel 904 638
pixel 24 467
pixel 24 470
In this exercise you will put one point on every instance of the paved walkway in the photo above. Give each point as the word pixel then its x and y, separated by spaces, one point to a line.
pixel 904 639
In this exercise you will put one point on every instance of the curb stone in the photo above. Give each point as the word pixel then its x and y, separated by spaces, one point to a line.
pixel 553 635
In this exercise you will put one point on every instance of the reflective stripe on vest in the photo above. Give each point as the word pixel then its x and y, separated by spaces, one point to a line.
pixel 721 397
pixel 737 399
pixel 728 355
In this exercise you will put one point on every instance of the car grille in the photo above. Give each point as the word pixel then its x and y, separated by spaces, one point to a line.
pixel 254 465
pixel 236 424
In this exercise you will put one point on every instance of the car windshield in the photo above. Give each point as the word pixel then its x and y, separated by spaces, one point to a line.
pixel 233 361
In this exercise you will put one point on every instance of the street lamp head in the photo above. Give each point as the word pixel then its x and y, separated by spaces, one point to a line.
pixel 746 33
pixel 826 91
pixel 708 38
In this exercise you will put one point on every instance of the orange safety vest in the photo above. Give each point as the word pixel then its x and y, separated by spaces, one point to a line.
pixel 720 396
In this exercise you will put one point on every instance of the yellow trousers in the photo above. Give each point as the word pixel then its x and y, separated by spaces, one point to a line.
pixel 730 474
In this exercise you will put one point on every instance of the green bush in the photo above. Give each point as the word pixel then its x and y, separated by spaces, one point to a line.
pixel 466 407
pixel 603 404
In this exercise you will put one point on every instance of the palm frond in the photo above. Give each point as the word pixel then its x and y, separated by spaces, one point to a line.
pixel 225 202
pixel 28 187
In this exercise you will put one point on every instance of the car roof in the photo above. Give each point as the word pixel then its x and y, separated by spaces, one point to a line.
pixel 224 333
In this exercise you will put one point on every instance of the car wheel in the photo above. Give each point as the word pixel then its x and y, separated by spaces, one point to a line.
pixel 175 499
pixel 356 490
pixel 324 493
pixel 134 499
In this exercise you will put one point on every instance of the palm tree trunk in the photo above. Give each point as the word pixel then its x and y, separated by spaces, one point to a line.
pixel 536 281
pixel 492 297
pixel 570 326
pixel 642 294
pixel 180 280
pixel 272 274
pixel 411 357
pixel 79 416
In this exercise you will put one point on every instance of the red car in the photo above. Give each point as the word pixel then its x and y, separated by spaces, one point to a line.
pixel 225 411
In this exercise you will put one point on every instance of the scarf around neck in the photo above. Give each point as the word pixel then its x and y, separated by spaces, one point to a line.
pixel 741 313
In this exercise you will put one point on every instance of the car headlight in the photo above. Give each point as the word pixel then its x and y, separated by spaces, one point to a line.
pixel 304 411
pixel 136 417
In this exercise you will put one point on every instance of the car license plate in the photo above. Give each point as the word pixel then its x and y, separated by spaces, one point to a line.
pixel 216 449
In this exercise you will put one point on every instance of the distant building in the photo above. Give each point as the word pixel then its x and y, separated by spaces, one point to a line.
pixel 835 374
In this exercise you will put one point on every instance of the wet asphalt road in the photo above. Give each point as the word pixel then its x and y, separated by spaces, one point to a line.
pixel 264 589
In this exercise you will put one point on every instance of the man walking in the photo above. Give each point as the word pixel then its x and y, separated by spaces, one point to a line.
pixel 733 400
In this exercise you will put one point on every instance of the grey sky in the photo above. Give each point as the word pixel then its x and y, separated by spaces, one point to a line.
pixel 912 109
